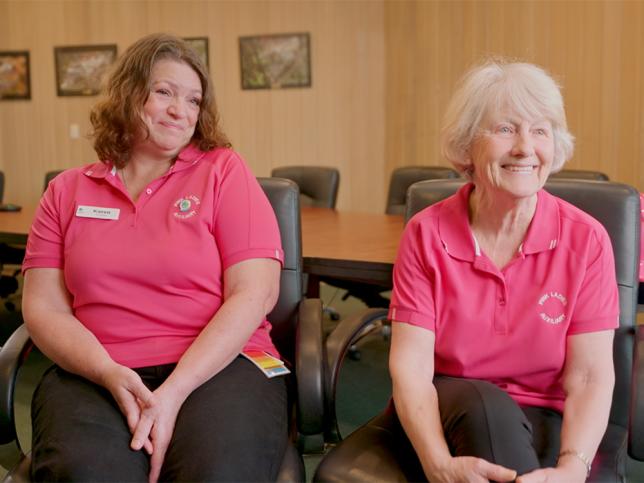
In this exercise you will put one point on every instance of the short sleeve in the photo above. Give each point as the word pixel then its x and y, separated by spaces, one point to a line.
pixel 412 300
pixel 597 306
pixel 244 223
pixel 45 242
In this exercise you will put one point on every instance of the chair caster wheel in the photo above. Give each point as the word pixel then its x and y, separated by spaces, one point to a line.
pixel 354 354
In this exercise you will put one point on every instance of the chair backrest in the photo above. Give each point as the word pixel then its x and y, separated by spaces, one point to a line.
pixel 580 174
pixel 402 178
pixel 617 207
pixel 1 186
pixel 318 184
pixel 283 195
pixel 49 175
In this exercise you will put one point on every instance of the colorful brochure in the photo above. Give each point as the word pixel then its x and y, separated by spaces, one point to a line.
pixel 269 365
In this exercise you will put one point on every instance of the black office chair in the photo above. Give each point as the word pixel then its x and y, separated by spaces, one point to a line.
pixel 379 451
pixel 49 175
pixel 9 255
pixel 579 174
pixel 318 184
pixel 297 333
pixel 402 178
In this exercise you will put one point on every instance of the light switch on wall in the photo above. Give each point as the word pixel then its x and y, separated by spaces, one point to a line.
pixel 74 131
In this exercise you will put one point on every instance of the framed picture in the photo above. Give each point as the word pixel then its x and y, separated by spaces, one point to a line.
pixel 15 82
pixel 80 70
pixel 200 45
pixel 275 61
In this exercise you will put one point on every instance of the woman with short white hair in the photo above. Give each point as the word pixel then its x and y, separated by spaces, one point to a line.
pixel 505 299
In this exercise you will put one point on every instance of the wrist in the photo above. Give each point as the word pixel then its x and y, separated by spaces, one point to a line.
pixel 575 460
pixel 434 467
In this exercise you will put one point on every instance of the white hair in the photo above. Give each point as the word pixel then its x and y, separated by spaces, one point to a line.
pixel 524 88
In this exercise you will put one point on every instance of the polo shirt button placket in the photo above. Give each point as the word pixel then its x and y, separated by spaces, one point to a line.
pixel 501 313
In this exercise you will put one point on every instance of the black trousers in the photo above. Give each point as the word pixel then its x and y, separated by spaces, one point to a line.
pixel 479 419
pixel 232 428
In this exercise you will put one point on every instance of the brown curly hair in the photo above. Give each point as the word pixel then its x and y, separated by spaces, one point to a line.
pixel 116 119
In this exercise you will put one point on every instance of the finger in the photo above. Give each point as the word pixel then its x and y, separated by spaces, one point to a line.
pixel 147 446
pixel 131 411
pixel 496 472
pixel 142 394
pixel 142 432
pixel 537 476
pixel 156 461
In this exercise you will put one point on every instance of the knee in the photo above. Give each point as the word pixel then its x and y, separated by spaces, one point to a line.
pixel 477 407
pixel 62 462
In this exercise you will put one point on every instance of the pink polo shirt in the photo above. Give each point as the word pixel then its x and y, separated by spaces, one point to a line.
pixel 508 327
pixel 147 282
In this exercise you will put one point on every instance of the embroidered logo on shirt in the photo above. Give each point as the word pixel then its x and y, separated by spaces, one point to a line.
pixel 186 207
pixel 553 305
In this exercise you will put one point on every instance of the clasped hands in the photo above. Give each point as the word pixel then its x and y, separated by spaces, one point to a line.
pixel 150 415
pixel 477 470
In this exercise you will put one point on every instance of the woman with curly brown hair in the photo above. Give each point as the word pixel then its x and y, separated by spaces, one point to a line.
pixel 146 275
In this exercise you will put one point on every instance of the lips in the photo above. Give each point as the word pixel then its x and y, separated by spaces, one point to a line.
pixel 514 168
pixel 171 125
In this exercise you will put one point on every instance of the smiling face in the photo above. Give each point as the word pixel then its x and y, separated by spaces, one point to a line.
pixel 512 155
pixel 171 111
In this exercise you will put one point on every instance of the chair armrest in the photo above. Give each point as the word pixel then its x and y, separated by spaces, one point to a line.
pixel 636 422
pixel 12 355
pixel 309 368
pixel 337 345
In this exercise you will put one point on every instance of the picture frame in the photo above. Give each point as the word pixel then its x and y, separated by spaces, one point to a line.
pixel 80 69
pixel 200 45
pixel 15 75
pixel 275 61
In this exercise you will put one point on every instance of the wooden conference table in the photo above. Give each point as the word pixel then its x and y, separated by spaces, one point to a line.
pixel 348 245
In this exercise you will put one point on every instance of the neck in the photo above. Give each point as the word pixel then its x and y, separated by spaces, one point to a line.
pixel 493 213
pixel 500 224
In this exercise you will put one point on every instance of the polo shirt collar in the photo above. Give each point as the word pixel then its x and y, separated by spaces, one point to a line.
pixel 188 156
pixel 544 230
pixel 458 240
pixel 454 225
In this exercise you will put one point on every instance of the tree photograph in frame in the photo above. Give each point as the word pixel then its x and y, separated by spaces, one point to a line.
pixel 275 61
pixel 15 82
pixel 199 45
pixel 80 69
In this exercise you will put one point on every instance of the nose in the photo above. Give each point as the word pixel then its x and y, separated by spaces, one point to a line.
pixel 176 108
pixel 523 144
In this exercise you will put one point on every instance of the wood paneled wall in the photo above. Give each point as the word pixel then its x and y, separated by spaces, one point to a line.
pixel 339 121
pixel 594 48
pixel 382 71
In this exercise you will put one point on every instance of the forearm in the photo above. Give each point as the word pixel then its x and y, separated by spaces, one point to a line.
pixel 586 413
pixel 417 408
pixel 218 343
pixel 64 339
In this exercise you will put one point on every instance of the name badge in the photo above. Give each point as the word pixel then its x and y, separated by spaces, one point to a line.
pixel 97 212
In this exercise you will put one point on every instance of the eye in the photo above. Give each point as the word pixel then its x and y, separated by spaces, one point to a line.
pixel 542 131
pixel 196 101
pixel 163 91
pixel 505 129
